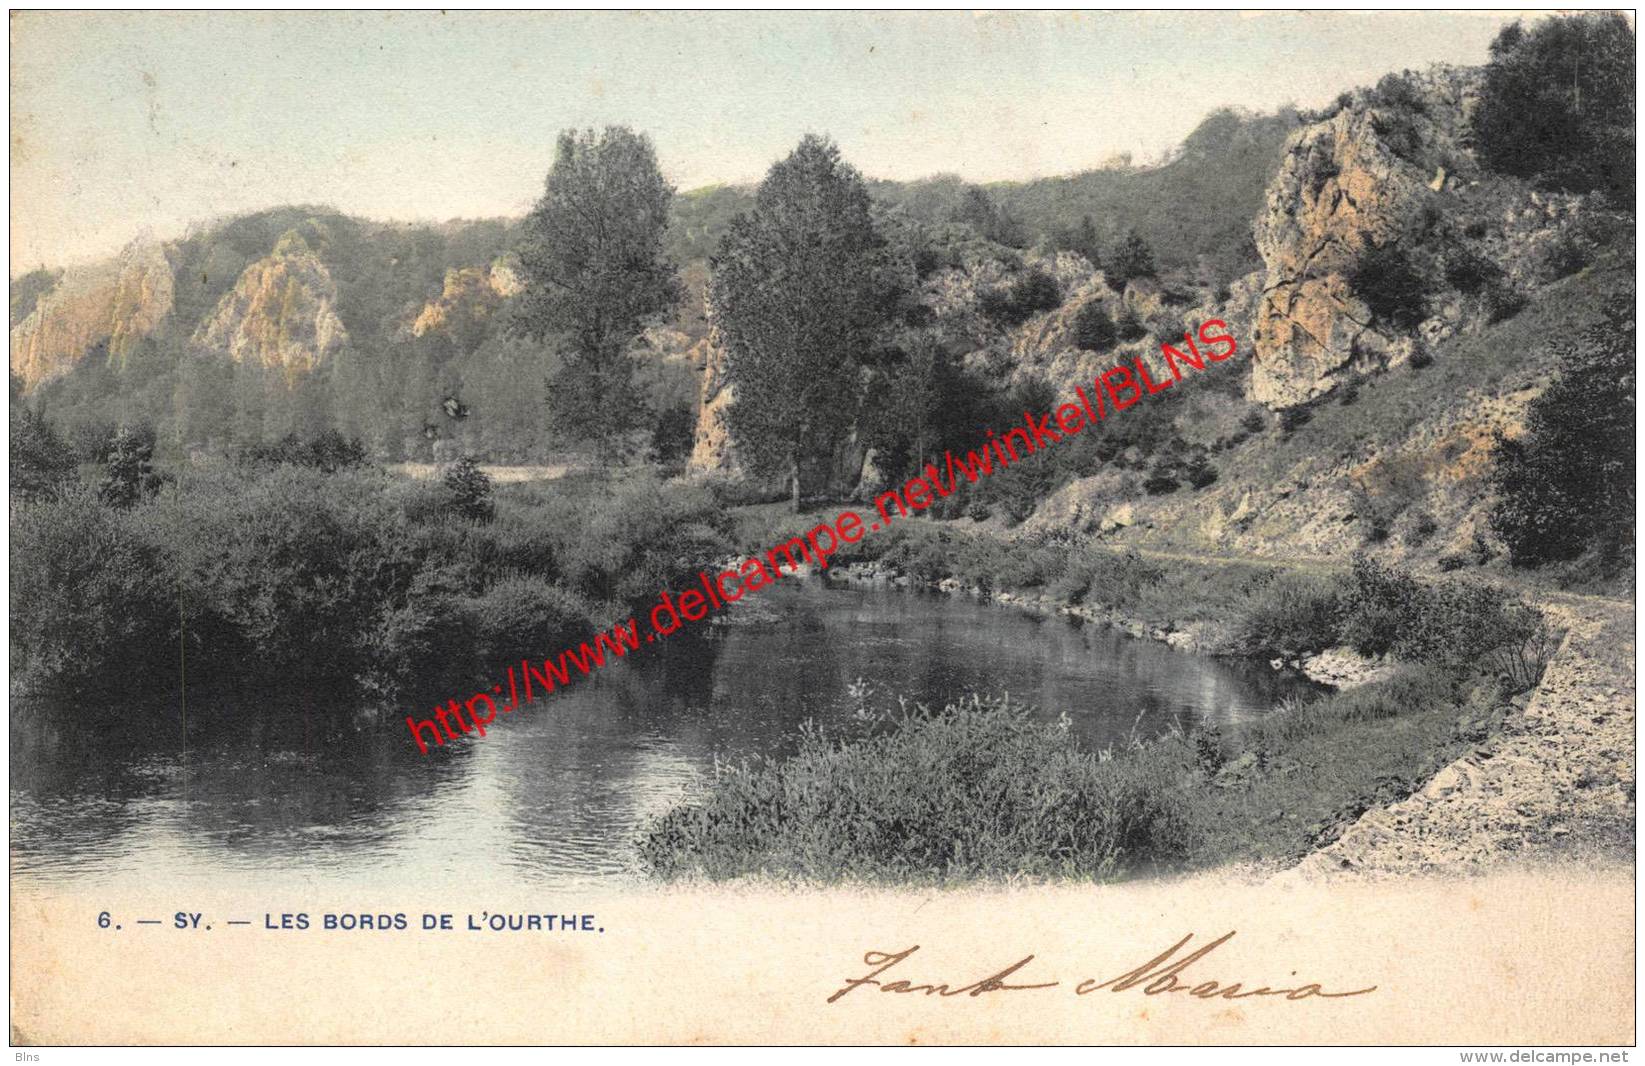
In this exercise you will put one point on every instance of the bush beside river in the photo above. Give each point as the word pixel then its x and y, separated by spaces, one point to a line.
pixel 283 574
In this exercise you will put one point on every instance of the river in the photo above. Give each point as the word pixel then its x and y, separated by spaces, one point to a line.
pixel 556 796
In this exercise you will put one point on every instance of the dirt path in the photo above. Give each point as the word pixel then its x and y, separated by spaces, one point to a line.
pixel 1558 780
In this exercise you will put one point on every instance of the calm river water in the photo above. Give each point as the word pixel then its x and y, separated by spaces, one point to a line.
pixel 557 795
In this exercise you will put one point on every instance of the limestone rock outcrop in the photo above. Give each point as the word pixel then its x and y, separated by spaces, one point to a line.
pixel 115 303
pixel 468 297
pixel 711 451
pixel 280 315
pixel 1355 179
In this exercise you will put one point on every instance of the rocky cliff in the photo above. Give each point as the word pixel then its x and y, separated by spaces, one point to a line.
pixel 111 305
pixel 1358 179
pixel 469 296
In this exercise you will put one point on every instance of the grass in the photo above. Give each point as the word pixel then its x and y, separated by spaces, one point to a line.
pixel 1308 770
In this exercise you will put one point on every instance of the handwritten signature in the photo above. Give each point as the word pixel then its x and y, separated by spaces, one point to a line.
pixel 1161 974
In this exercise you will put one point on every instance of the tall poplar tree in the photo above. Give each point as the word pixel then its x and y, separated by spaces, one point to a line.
pixel 803 287
pixel 595 271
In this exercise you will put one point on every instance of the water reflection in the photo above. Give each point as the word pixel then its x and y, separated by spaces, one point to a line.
pixel 557 794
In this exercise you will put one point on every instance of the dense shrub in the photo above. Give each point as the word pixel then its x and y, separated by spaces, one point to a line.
pixel 1468 271
pixel 1557 104
pixel 1201 474
pixel 673 435
pixel 41 463
pixel 294 565
pixel 285 574
pixel 1292 615
pixel 329 451
pixel 521 614
pixel 1033 292
pixel 1133 259
pixel 92 608
pixel 979 789
pixel 470 489
pixel 1094 329
pixel 129 476
pixel 625 543
pixel 1388 280
pixel 1292 419
pixel 1504 301
pixel 1566 486
pixel 1452 623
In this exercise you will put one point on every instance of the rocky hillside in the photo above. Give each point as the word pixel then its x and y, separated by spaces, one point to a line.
pixel 1385 412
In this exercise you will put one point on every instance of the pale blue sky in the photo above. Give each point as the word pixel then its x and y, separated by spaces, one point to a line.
pixel 122 122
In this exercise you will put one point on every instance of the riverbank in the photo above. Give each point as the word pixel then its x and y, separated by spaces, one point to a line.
pixel 1428 676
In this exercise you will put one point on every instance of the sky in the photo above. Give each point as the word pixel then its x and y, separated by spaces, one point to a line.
pixel 124 123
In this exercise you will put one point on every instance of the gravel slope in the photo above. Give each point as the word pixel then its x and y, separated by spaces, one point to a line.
pixel 1557 779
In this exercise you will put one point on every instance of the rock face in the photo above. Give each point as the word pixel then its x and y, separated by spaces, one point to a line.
pixel 711 451
pixel 281 313
pixel 1357 178
pixel 469 296
pixel 116 304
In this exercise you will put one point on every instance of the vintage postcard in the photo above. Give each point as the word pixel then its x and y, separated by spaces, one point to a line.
pixel 818 528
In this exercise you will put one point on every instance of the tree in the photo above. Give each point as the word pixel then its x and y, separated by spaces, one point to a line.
pixel 129 477
pixel 470 489
pixel 978 210
pixel 1094 329
pixel 1567 485
pixel 1132 260
pixel 803 287
pixel 1557 105
pixel 594 269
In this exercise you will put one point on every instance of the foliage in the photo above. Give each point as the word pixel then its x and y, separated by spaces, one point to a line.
pixel 1291 616
pixel 330 451
pixel 41 463
pixel 1452 623
pixel 1292 419
pixel 1566 486
pixel 624 543
pixel 979 789
pixel 1082 240
pixel 1130 326
pixel 673 436
pixel 91 606
pixel 1468 271
pixel 1557 105
pixel 1031 293
pixel 1388 280
pixel 129 476
pixel 1094 329
pixel 1132 260
pixel 470 489
pixel 591 255
pixel 284 574
pixel 978 210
